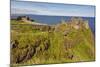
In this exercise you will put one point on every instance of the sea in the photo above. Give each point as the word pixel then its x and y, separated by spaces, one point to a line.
pixel 51 20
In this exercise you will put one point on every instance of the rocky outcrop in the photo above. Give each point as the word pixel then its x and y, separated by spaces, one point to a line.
pixel 74 23
pixel 79 23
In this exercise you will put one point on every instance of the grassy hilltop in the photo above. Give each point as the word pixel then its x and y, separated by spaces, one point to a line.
pixel 70 41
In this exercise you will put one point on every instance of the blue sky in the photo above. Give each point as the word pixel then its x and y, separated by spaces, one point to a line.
pixel 23 7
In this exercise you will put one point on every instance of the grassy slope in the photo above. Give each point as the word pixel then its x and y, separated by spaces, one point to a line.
pixel 81 41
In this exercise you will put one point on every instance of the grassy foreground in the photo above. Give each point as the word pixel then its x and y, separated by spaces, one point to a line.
pixel 63 44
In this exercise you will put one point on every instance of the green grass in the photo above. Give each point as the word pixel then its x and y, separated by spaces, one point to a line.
pixel 50 47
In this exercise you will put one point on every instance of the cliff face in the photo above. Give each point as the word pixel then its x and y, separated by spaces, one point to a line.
pixel 70 41
pixel 75 23
pixel 77 38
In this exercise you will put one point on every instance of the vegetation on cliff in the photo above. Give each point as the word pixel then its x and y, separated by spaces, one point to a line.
pixel 70 41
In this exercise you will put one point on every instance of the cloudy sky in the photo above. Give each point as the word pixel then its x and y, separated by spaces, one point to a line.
pixel 23 7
